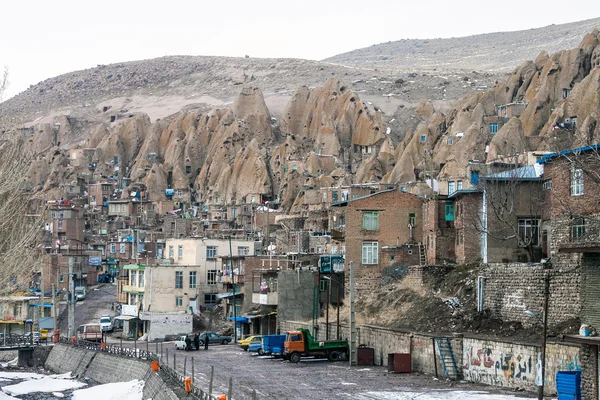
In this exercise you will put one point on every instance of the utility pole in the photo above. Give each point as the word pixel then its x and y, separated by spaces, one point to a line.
pixel 352 358
pixel 54 313
pixel 42 296
pixel 544 334
pixel 327 307
pixel 233 293
pixel 71 299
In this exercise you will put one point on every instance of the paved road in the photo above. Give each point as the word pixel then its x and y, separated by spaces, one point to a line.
pixel 97 303
pixel 311 379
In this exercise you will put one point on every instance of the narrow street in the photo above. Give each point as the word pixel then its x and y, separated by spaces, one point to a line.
pixel 97 302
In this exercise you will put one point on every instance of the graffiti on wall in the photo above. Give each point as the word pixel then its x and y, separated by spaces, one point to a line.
pixel 570 364
pixel 490 366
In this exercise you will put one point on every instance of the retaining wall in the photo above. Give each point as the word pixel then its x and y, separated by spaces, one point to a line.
pixel 487 361
pixel 108 368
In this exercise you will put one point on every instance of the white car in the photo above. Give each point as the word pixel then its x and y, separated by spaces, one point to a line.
pixel 180 343
pixel 106 324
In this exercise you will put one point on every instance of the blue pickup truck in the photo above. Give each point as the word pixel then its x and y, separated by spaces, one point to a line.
pixel 272 345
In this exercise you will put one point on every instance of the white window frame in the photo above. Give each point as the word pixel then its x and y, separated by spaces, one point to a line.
pixel 243 250
pixel 211 252
pixel 370 253
pixel 577 182
pixel 171 252
pixel 527 226
pixel 179 251
pixel 113 248
pixel 451 187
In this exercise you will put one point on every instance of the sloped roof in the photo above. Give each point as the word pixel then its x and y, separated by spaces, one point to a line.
pixel 549 157
pixel 527 173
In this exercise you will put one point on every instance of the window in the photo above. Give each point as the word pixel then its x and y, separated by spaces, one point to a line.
pixel 370 220
pixel 423 138
pixel 60 223
pixel 333 250
pixel 576 182
pixel 529 232
pixel 141 279
pixel 342 250
pixel 548 185
pixel 210 299
pixel 474 178
pixel 334 196
pixel 458 185
pixel 113 248
pixel 243 250
pixel 451 187
pixel 493 128
pixel 133 278
pixel 179 251
pixel 122 248
pixel 577 229
pixel 449 210
pixel 171 252
pixel 211 251
pixel 178 301
pixel 323 284
pixel 370 252
pixel 324 198
pixel 566 92
pixel 178 279
pixel 449 141
pixel 344 195
pixel 211 276
pixel 192 279
pixel 412 219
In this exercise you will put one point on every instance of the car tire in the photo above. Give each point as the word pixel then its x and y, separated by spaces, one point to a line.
pixel 224 341
pixel 295 358
pixel 261 352
pixel 334 356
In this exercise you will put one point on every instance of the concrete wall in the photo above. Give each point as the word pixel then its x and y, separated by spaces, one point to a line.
pixel 485 361
pixel 512 365
pixel 162 324
pixel 296 294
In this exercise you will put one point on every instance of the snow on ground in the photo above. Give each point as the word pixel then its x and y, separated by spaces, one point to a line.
pixel 46 384
pixel 4 375
pixel 131 390
pixel 4 396
pixel 432 395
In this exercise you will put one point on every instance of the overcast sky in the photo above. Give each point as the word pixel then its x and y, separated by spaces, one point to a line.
pixel 40 39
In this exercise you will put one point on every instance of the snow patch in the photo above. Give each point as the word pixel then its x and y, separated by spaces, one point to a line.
pixel 46 384
pixel 131 390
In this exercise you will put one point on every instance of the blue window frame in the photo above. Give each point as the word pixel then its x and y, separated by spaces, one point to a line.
pixel 493 128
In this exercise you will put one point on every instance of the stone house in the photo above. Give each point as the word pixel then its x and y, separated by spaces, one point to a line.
pixel 378 231
pixel 572 193
pixel 99 194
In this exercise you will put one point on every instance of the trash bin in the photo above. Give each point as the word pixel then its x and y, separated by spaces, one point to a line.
pixel 568 385
pixel 399 362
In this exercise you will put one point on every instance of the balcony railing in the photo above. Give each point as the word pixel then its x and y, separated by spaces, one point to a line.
pixel 133 289
pixel 269 299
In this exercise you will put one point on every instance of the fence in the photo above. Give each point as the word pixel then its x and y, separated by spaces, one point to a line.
pixel 161 355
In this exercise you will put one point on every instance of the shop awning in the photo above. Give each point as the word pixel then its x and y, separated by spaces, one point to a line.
pixel 239 319
pixel 126 317
pixel 227 294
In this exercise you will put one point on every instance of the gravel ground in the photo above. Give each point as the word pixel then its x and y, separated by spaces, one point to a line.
pixel 310 379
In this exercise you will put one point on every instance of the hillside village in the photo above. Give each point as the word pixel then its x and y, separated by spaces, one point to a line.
pixel 456 225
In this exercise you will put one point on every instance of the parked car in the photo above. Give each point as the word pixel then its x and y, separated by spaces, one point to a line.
pixel 244 343
pixel 106 323
pixel 36 337
pixel 180 342
pixel 214 338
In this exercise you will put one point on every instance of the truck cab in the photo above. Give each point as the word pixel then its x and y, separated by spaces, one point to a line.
pixel 300 343
pixel 80 293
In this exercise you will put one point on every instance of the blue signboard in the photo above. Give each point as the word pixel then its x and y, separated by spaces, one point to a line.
pixel 95 260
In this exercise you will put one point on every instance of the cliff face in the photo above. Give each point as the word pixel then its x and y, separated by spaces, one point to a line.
pixel 327 136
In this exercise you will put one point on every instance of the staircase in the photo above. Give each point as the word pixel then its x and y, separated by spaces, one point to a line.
pixel 422 255
pixel 445 348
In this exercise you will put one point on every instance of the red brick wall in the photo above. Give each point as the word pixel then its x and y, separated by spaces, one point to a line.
pixel 393 207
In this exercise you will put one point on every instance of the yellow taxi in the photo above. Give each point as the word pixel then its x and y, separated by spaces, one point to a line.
pixel 244 343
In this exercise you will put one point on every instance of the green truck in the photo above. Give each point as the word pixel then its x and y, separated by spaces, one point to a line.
pixel 300 343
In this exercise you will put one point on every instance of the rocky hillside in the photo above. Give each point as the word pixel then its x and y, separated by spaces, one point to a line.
pixel 500 51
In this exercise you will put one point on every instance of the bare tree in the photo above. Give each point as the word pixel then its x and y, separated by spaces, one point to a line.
pixel 3 83
pixel 511 210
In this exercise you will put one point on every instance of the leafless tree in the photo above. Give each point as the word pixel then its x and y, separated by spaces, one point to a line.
pixel 512 210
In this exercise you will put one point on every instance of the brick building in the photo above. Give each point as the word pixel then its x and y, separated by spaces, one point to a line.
pixel 572 193
pixel 379 229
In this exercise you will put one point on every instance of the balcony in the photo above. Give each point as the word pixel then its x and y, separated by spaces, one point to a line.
pixel 133 289
pixel 226 279
pixel 268 299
